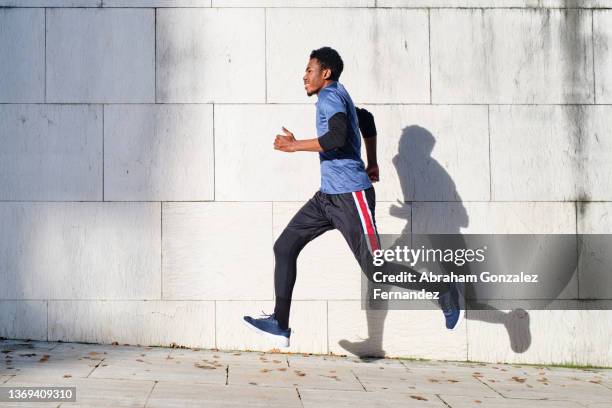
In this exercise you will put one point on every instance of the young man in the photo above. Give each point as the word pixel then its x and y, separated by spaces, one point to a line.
pixel 346 199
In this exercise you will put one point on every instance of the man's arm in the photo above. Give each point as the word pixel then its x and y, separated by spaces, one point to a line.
pixel 333 139
pixel 288 143
pixel 368 131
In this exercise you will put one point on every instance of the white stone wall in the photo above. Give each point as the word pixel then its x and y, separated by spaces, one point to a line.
pixel 140 195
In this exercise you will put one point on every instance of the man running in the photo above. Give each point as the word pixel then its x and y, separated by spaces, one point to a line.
pixel 346 199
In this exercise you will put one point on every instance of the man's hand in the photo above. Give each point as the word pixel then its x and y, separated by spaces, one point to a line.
pixel 372 171
pixel 286 142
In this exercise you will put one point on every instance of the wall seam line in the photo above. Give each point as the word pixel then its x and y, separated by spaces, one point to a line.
pixel 327 319
pixel 214 163
pixel 161 250
pixel 265 55
pixel 429 52
pixel 45 80
pixel 489 140
pixel 569 201
pixel 593 55
pixel 305 104
pixel 47 302
pixel 411 217
pixel 577 253
pixel 103 142
pixel 273 256
pixel 434 7
pixel 155 55
pixel 215 322
pixel 467 335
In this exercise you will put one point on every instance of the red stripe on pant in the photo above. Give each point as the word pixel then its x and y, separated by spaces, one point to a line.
pixel 371 233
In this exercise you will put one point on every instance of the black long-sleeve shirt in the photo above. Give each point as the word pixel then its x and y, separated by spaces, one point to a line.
pixel 337 134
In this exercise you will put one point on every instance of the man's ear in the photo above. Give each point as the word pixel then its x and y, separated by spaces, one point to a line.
pixel 327 73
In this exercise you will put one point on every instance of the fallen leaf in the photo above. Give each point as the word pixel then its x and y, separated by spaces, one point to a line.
pixel 203 366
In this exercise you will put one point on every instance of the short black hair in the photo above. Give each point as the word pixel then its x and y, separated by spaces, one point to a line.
pixel 329 59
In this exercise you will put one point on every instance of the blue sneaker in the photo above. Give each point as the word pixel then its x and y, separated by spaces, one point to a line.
pixel 268 327
pixel 449 303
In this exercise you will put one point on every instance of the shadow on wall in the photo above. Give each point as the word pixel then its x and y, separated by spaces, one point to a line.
pixel 423 178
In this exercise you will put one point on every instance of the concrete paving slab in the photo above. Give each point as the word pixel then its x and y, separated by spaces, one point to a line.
pixel 476 370
pixel 588 373
pixel 330 378
pixel 125 376
pixel 300 360
pixel 173 395
pixel 511 385
pixel 51 371
pixel 161 369
pixel 422 380
pixel 37 405
pixel 18 345
pixel 229 357
pixel 107 351
pixel 94 392
pixel 456 401
pixel 577 376
pixel 44 361
pixel 356 399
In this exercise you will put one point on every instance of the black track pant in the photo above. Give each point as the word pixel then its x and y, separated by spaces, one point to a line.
pixel 350 213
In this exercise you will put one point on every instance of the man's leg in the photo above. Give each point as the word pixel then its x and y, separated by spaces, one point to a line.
pixel 353 216
pixel 307 224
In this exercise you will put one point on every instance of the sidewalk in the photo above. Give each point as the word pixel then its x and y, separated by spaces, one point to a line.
pixel 129 376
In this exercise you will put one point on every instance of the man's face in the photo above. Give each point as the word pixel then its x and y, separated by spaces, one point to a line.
pixel 315 77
